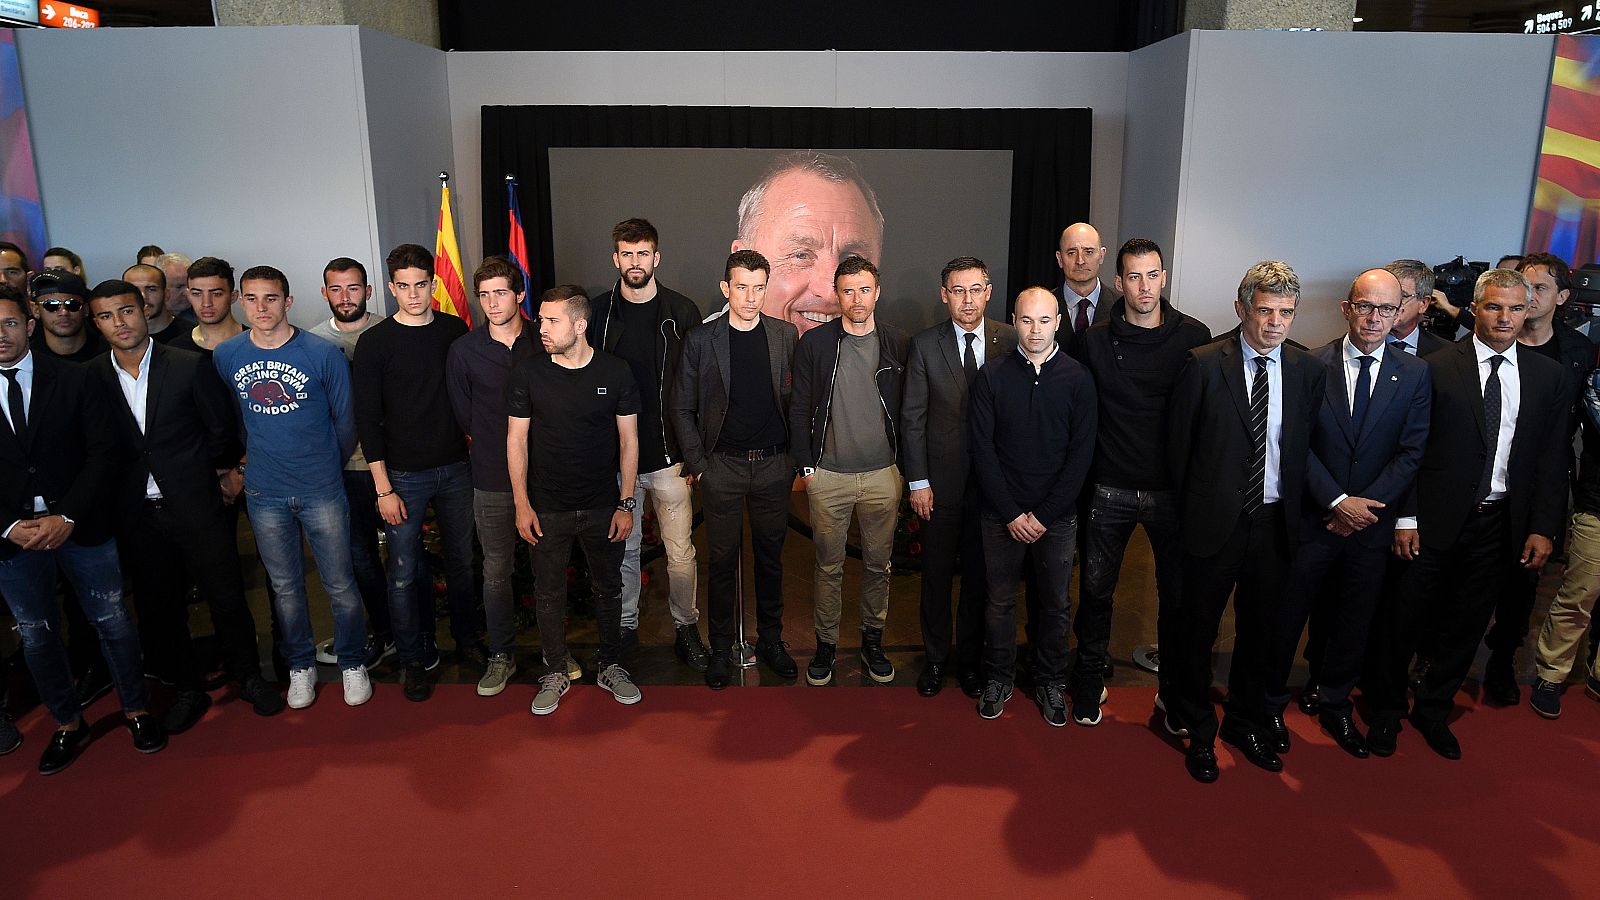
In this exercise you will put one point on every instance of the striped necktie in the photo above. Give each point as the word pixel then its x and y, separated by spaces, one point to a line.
pixel 1259 401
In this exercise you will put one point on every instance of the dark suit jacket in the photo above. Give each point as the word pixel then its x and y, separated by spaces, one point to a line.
pixel 1069 310
pixel 1380 463
pixel 191 431
pixel 1459 440
pixel 934 411
pixel 1428 343
pixel 1209 445
pixel 67 453
pixel 699 404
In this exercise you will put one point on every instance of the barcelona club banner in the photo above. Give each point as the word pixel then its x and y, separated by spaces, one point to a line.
pixel 1566 197
pixel 21 216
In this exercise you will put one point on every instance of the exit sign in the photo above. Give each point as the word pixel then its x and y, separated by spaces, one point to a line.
pixel 67 15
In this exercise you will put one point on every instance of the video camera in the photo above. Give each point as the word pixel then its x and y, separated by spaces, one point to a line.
pixel 1455 280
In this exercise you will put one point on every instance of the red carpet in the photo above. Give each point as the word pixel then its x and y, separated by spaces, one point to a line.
pixel 787 792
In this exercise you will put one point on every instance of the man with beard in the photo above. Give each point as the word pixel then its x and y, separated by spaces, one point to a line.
pixel 808 213
pixel 644 323
pixel 14 267
pixel 152 284
pixel 60 304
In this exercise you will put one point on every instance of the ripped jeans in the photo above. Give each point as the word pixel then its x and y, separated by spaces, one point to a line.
pixel 28 581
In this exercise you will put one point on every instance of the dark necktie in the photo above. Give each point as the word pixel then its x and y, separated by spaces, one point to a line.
pixel 969 358
pixel 1358 410
pixel 1081 323
pixel 19 420
pixel 1259 401
pixel 1491 423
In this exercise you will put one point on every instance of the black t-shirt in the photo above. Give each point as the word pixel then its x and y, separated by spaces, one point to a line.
pixel 1550 349
pixel 174 331
pixel 93 344
pixel 636 344
pixel 402 405
pixel 754 421
pixel 572 433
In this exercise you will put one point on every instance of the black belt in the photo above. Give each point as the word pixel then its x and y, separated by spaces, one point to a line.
pixel 1485 506
pixel 754 455
pixel 155 503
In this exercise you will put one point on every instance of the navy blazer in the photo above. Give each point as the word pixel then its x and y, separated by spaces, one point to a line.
pixel 1379 463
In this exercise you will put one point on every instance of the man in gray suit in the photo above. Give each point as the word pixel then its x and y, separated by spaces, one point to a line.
pixel 731 412
pixel 944 360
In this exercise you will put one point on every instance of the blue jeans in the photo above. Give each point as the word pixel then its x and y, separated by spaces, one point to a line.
pixel 449 489
pixel 324 519
pixel 28 581
pixel 1050 559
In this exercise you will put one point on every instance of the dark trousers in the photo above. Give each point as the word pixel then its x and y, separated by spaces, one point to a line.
pixel 1450 593
pixel 588 528
pixel 1050 561
pixel 1113 513
pixel 953 541
pixel 1513 612
pixel 729 486
pixel 164 553
pixel 365 524
pixel 1334 582
pixel 1251 566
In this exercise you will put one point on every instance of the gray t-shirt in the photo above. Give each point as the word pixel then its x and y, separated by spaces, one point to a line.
pixel 856 440
pixel 346 341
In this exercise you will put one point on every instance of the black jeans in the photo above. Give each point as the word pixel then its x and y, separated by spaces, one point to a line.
pixel 1050 560
pixel 1251 566
pixel 164 553
pixel 953 541
pixel 1449 592
pixel 1113 513
pixel 1334 582
pixel 728 487
pixel 588 527
pixel 364 555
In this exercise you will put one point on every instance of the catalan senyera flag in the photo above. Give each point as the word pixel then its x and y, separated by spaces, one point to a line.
pixel 449 291
pixel 517 246
pixel 1565 219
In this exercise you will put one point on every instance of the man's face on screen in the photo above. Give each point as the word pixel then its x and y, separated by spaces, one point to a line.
pixel 804 227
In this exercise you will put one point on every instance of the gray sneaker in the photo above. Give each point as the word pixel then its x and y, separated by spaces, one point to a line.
pixel 551 687
pixel 614 678
pixel 574 670
pixel 499 671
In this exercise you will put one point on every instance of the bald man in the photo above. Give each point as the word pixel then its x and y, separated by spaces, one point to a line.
pixel 1079 253
pixel 1366 444
pixel 1031 429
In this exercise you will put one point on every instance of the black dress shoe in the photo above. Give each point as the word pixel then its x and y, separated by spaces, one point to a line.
pixel 775 654
pixel 1440 739
pixel 1278 732
pixel 1257 749
pixel 1500 680
pixel 1310 700
pixel 1344 733
pixel 1381 738
pixel 148 735
pixel 10 737
pixel 931 680
pixel 971 681
pixel 719 669
pixel 63 748
pixel 1201 763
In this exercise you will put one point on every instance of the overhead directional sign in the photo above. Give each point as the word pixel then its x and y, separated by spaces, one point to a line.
pixel 68 15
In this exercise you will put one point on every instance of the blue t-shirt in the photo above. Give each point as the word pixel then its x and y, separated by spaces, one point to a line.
pixel 298 419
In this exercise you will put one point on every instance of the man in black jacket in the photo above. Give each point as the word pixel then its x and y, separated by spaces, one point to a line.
pixel 1238 439
pixel 179 418
pixel 945 360
pixel 645 324
pixel 730 414
pixel 1031 431
pixel 1490 494
pixel 58 458
pixel 1135 354
pixel 844 422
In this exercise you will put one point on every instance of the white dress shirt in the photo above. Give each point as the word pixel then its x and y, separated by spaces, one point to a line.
pixel 1352 373
pixel 136 390
pixel 24 370
pixel 961 350
pixel 1270 489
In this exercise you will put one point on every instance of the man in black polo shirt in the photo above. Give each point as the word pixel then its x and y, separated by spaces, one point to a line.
pixel 730 413
pixel 1031 430
pixel 573 429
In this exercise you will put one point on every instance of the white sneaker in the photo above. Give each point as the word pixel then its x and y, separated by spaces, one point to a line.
pixel 302 687
pixel 357 686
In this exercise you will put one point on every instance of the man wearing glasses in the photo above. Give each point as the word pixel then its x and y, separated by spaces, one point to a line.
pixel 1416 291
pixel 59 303
pixel 944 361
pixel 1366 444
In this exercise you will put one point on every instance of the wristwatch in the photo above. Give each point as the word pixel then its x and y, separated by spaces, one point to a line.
pixel 627 504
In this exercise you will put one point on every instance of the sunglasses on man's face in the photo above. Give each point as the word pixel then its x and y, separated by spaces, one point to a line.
pixel 59 305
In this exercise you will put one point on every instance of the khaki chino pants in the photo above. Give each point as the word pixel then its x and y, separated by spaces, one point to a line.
pixel 1570 611
pixel 874 498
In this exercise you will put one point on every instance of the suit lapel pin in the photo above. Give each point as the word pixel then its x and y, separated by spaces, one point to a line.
pixel 1394 377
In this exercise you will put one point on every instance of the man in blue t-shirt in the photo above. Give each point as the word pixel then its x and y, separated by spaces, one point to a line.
pixel 294 395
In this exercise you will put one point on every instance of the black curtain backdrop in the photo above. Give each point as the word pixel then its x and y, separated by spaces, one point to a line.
pixel 1049 160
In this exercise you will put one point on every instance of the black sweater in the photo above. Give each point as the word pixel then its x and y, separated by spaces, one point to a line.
pixel 1134 370
pixel 1031 436
pixel 403 413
